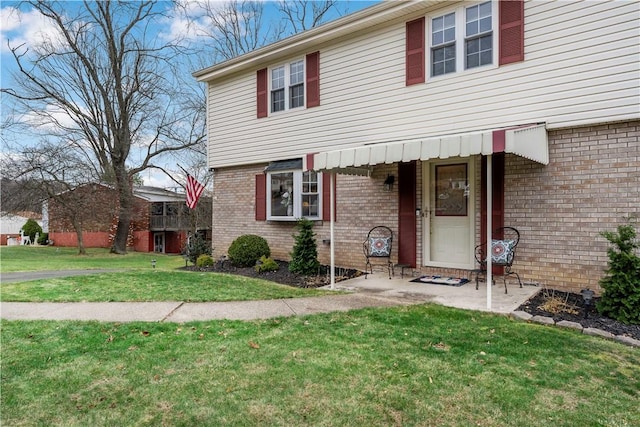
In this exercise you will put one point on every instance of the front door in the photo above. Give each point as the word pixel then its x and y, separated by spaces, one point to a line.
pixel 158 242
pixel 449 233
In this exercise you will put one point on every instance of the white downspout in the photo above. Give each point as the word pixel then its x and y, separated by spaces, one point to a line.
pixel 332 206
pixel 489 275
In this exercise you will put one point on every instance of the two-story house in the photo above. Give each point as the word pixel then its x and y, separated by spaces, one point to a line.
pixel 410 113
pixel 161 220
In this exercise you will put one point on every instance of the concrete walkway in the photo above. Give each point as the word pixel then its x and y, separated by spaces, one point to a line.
pixel 375 291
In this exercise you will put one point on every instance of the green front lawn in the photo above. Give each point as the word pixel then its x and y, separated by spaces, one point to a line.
pixel 412 366
pixel 151 285
pixel 40 258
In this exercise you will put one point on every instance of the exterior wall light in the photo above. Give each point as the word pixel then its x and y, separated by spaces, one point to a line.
pixel 388 183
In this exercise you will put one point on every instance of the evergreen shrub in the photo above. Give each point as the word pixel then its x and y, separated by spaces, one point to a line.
pixel 197 246
pixel 31 228
pixel 247 249
pixel 43 239
pixel 620 299
pixel 304 258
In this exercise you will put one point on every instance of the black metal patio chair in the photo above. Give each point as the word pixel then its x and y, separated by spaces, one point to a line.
pixel 504 241
pixel 378 247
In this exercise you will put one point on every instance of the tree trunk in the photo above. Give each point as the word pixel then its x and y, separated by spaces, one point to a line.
pixel 78 228
pixel 125 210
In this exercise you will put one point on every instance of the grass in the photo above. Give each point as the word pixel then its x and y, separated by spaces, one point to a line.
pixel 139 281
pixel 40 258
pixel 151 286
pixel 419 365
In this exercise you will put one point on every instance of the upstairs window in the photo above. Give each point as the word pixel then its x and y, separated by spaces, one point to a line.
pixel 479 36
pixel 443 42
pixel 462 39
pixel 277 89
pixel 287 86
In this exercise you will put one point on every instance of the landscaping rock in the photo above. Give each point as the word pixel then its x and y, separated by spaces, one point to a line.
pixel 521 315
pixel 568 324
pixel 627 340
pixel 543 320
pixel 597 332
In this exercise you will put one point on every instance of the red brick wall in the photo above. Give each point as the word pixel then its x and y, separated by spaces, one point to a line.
pixel 96 206
pixel 96 239
pixel 590 185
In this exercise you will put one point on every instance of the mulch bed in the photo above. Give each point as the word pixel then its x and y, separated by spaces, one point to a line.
pixel 283 275
pixel 569 306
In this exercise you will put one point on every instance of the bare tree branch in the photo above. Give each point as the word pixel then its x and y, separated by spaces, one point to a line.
pixel 107 89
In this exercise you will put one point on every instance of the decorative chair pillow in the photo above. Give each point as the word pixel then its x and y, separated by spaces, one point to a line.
pixel 502 251
pixel 379 246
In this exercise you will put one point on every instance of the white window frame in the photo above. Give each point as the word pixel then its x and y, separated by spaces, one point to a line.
pixel 287 85
pixel 461 39
pixel 297 196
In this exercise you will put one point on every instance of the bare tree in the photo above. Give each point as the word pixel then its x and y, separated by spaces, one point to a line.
pixel 236 27
pixel 302 15
pixel 108 89
pixel 52 172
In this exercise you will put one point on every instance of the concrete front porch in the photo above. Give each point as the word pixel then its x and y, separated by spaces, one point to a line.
pixel 465 296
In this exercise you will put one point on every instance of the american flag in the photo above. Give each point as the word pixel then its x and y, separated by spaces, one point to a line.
pixel 194 190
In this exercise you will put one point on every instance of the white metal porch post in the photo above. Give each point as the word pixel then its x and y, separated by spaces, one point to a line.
pixel 489 275
pixel 332 207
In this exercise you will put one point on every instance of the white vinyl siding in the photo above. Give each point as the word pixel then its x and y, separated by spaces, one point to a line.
pixel 581 67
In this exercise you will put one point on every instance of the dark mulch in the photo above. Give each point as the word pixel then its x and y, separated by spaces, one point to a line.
pixel 283 275
pixel 569 306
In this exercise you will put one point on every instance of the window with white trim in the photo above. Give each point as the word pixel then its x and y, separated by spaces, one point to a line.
pixel 287 86
pixel 294 194
pixel 462 39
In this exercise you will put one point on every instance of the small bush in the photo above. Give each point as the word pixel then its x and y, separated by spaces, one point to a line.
pixel 195 247
pixel 304 258
pixel 621 297
pixel 266 264
pixel 31 228
pixel 204 260
pixel 247 249
pixel 43 239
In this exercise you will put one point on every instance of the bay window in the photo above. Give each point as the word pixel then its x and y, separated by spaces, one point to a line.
pixel 293 194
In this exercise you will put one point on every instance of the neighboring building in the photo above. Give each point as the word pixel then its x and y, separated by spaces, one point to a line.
pixel 11 225
pixel 425 95
pixel 161 219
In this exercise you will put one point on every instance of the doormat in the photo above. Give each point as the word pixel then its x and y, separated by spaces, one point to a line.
pixel 440 280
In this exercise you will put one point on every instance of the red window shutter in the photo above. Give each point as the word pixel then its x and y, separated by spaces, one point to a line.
pixel 326 196
pixel 313 79
pixel 511 14
pixel 262 93
pixel 415 60
pixel 261 197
